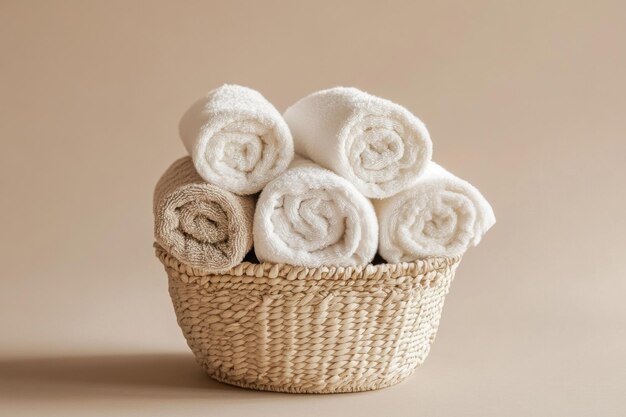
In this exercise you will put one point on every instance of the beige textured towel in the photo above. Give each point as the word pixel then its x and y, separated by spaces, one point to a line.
pixel 198 223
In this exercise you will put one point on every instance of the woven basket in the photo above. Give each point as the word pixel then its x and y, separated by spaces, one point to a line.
pixel 283 328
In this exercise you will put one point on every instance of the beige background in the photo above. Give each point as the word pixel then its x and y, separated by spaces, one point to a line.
pixel 524 99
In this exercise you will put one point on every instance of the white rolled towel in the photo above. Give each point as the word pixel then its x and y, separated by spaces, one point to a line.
pixel 237 139
pixel 377 145
pixel 442 215
pixel 310 216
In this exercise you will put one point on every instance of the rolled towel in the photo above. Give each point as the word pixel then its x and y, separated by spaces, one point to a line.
pixel 379 146
pixel 311 217
pixel 442 215
pixel 201 224
pixel 237 139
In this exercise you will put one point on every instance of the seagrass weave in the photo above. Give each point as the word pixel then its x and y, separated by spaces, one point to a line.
pixel 278 327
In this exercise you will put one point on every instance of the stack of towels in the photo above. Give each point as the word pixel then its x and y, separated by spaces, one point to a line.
pixel 340 176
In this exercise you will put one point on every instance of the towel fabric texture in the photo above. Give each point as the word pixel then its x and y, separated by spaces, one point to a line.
pixel 200 224
pixel 377 145
pixel 309 216
pixel 442 215
pixel 237 139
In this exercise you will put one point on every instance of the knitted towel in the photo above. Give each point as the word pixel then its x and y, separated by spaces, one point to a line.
pixel 311 217
pixel 237 139
pixel 377 145
pixel 442 215
pixel 200 224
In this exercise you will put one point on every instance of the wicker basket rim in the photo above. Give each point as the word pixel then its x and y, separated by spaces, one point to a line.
pixel 272 270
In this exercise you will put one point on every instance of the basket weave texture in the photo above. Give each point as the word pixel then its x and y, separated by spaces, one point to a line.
pixel 284 328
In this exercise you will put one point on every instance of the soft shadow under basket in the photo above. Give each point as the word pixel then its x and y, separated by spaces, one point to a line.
pixel 279 327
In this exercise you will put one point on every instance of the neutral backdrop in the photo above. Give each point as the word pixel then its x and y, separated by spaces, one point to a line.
pixel 526 100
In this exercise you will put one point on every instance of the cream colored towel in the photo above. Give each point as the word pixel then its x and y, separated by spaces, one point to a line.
pixel 442 215
pixel 377 145
pixel 201 224
pixel 237 139
pixel 309 216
